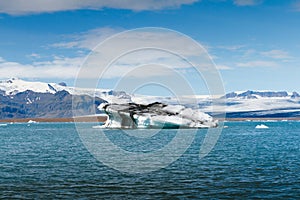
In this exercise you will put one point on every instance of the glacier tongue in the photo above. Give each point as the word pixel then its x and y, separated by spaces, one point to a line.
pixel 155 115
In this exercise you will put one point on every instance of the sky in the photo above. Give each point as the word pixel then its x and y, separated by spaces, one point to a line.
pixel 254 44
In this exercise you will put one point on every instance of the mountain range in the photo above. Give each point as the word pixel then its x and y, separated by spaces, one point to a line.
pixel 261 104
pixel 25 99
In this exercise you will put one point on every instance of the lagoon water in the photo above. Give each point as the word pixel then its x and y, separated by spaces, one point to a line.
pixel 48 160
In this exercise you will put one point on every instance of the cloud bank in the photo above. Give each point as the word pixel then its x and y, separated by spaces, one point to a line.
pixel 63 68
pixel 147 47
pixel 22 7
pixel 25 7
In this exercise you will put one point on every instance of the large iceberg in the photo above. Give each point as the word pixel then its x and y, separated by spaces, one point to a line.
pixel 155 115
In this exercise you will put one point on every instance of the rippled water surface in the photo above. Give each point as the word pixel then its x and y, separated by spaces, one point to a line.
pixel 48 160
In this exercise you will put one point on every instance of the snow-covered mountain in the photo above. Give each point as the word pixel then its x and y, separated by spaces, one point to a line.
pixel 249 104
pixel 14 86
pixel 21 98
pixel 261 94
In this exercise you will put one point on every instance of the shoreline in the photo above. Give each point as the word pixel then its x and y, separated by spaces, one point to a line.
pixel 262 119
pixel 103 119
pixel 70 119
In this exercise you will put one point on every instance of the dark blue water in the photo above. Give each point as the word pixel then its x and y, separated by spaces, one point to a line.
pixel 49 161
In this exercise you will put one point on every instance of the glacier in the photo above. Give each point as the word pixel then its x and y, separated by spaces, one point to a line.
pixel 154 115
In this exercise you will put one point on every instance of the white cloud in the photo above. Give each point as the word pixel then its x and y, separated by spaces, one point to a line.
pixel 162 42
pixel 21 7
pixel 89 39
pixel 277 54
pixel 138 71
pixel 64 68
pixel 58 68
pixel 34 56
pixel 231 47
pixel 247 2
pixel 258 63
pixel 125 52
pixel 223 67
pixel 146 37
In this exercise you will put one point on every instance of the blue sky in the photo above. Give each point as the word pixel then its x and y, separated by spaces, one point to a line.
pixel 254 43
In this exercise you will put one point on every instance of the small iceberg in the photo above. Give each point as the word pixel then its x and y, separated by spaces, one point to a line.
pixel 31 122
pixel 261 126
pixel 3 125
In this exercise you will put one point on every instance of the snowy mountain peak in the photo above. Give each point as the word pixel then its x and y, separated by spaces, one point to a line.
pixel 249 94
pixel 14 86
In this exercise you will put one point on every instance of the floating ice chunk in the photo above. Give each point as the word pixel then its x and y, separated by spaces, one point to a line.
pixel 261 126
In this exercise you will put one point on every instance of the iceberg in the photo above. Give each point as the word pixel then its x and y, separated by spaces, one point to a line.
pixel 31 122
pixel 154 115
pixel 261 126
